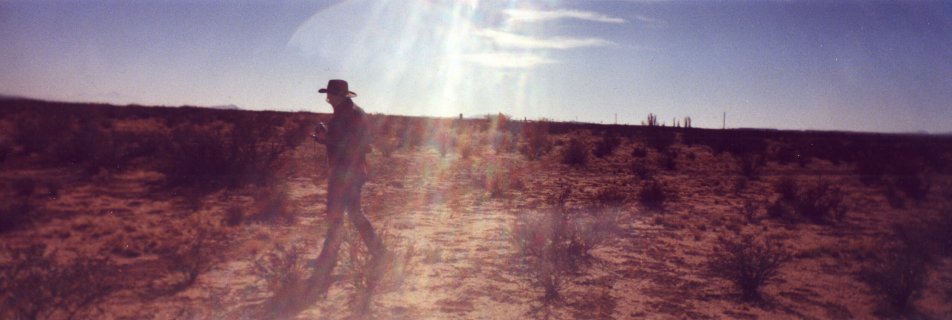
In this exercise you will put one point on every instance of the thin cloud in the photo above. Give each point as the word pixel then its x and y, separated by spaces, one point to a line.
pixel 506 39
pixel 651 21
pixel 535 15
pixel 507 60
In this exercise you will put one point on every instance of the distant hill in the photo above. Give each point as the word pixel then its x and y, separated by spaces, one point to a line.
pixel 226 107
pixel 8 97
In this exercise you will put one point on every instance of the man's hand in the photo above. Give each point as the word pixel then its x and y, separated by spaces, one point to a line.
pixel 320 133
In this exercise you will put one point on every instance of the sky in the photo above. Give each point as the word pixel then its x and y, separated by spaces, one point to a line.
pixel 875 66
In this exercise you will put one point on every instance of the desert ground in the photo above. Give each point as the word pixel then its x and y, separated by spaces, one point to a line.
pixel 132 212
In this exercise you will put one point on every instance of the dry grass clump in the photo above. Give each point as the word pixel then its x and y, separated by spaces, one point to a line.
pixel 748 263
pixel 34 285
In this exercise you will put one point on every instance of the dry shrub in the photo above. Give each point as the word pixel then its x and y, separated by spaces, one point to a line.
pixel 575 153
pixel 748 263
pixel 751 165
pixel 242 151
pixel 537 141
pixel 659 138
pixel 496 179
pixel 192 258
pixel 749 209
pixel 897 277
pixel 467 146
pixel 915 187
pixel 33 285
pixel 553 247
pixel 639 152
pixel 652 195
pixel 606 146
pixel 820 203
pixel 503 142
pixel 19 208
pixel 787 188
pixel 641 170
pixel 785 154
pixel 668 159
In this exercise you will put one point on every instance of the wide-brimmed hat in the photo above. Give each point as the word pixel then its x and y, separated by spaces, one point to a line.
pixel 338 87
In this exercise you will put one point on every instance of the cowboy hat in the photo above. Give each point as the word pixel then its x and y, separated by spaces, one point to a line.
pixel 338 87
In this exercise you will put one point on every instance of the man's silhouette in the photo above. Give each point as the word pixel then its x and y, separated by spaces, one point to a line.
pixel 347 139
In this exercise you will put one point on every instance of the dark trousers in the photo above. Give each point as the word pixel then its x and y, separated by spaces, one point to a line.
pixel 343 196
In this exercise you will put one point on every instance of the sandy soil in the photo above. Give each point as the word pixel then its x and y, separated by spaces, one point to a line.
pixel 454 254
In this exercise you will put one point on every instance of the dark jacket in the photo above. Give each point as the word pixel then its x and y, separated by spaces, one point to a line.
pixel 348 142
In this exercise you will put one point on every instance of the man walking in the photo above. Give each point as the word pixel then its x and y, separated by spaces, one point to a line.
pixel 348 141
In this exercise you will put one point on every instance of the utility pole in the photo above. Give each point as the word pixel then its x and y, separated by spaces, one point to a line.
pixel 616 118
pixel 724 125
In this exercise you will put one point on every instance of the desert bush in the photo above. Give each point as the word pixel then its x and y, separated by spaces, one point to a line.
pixel 749 209
pixel 652 195
pixel 659 138
pixel 641 170
pixel 39 132
pixel 552 247
pixel 34 286
pixel 785 154
pixel 737 142
pixel 740 183
pixel 467 146
pixel 787 188
pixel 669 159
pixel 639 152
pixel 575 153
pixel 231 154
pixel 537 141
pixel 606 145
pixel 897 278
pixel 19 208
pixel 751 165
pixel 191 258
pixel 780 210
pixel 749 264
pixel 916 187
pixel 821 203
pixel 234 215
pixel 503 142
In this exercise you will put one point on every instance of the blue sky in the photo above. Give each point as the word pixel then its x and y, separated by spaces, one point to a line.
pixel 843 65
